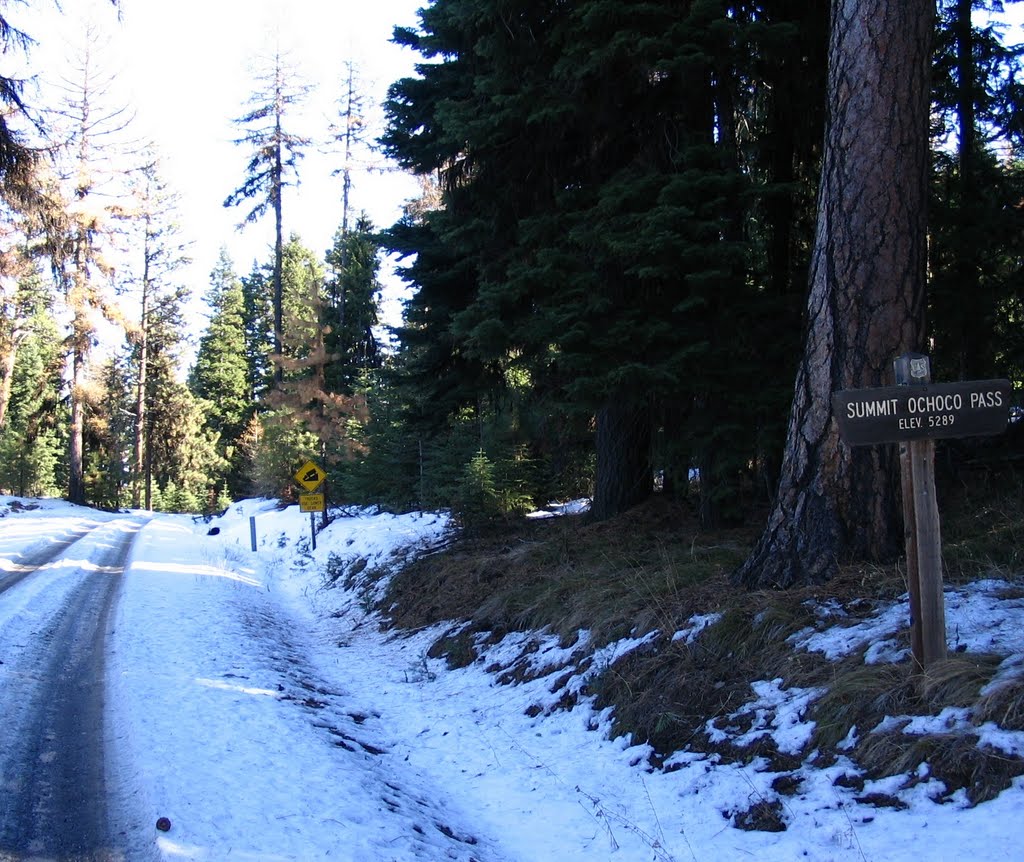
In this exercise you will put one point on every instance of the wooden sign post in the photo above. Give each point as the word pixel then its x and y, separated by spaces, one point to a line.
pixel 921 531
pixel 914 413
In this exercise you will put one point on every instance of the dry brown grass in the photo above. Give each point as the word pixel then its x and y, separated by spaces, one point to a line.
pixel 956 759
pixel 1003 705
pixel 645 570
pixel 653 569
pixel 861 697
pixel 957 681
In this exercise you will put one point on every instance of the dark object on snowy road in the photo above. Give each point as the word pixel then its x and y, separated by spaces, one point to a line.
pixel 163 824
pixel 213 531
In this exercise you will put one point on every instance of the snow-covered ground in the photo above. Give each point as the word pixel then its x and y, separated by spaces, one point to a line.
pixel 269 718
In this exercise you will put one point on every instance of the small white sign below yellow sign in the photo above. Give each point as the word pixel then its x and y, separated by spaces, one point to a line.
pixel 312 503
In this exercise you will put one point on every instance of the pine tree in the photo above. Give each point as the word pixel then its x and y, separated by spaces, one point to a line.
pixel 975 220
pixel 274 443
pixel 161 254
pixel 591 235
pixel 18 159
pixel 302 396
pixel 273 166
pixel 181 450
pixel 82 202
pixel 22 295
pixel 866 301
pixel 33 438
pixel 109 432
pixel 302 276
pixel 780 107
pixel 220 374
pixel 258 316
pixel 350 316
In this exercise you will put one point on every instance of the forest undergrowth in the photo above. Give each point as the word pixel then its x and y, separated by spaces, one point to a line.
pixel 651 573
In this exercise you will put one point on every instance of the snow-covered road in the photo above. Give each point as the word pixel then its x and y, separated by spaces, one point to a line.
pixel 208 669
pixel 257 715
pixel 55 603
pixel 160 679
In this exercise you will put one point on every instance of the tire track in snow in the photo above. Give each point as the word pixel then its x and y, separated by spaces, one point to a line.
pixel 52 772
pixel 432 828
pixel 225 725
pixel 39 555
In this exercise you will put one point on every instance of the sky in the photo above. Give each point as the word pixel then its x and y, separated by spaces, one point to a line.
pixel 270 718
pixel 187 68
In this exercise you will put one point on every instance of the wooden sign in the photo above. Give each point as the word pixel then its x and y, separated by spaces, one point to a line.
pixel 914 414
pixel 893 414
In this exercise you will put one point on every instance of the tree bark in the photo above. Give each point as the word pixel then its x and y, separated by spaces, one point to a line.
pixel 624 475
pixel 8 358
pixel 867 292
pixel 76 436
pixel 139 459
pixel 276 201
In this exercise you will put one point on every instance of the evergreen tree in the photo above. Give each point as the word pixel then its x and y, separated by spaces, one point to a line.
pixel 302 397
pixel 274 444
pixel 273 166
pixel 181 450
pixel 780 107
pixel 33 438
pixel 18 158
pixel 247 459
pixel 975 220
pixel 867 295
pixel 350 316
pixel 161 254
pixel 592 233
pixel 258 315
pixel 493 143
pixel 220 374
pixel 82 202
pixel 22 297
pixel 626 221
pixel 303 288
pixel 109 434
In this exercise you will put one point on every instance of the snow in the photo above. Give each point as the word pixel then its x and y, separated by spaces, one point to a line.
pixel 776 714
pixel 270 717
pixel 555 510
pixel 697 624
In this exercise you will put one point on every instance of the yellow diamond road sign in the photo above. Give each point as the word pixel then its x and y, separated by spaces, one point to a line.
pixel 310 476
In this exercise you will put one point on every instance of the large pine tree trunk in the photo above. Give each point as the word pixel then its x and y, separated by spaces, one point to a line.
pixel 76 436
pixel 866 300
pixel 623 476
pixel 278 285
pixel 139 455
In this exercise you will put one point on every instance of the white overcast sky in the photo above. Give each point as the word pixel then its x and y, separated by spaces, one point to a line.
pixel 188 69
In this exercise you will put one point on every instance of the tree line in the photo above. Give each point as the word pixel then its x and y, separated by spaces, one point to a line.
pixel 611 262
pixel 93 255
